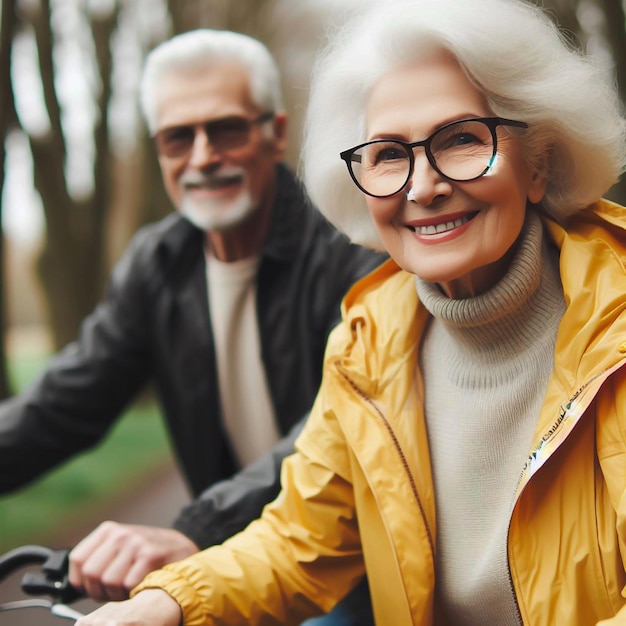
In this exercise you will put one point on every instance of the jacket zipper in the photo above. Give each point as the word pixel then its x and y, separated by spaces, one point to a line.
pixel 546 437
pixel 403 460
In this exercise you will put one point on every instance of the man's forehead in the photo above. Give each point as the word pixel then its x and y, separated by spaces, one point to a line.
pixel 202 94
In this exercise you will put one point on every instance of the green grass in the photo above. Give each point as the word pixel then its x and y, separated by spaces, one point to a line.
pixel 135 447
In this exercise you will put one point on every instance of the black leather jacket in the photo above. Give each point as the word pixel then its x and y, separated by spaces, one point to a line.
pixel 153 326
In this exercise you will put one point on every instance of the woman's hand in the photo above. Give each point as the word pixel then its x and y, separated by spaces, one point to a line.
pixel 151 607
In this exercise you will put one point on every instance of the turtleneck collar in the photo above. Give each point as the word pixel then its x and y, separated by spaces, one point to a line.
pixel 514 311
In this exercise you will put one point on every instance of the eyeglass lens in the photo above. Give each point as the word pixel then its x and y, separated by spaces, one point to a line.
pixel 223 134
pixel 460 151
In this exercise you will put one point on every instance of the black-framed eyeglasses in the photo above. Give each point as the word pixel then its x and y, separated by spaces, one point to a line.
pixel 226 133
pixel 460 151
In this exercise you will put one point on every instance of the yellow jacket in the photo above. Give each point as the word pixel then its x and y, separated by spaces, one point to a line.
pixel 359 492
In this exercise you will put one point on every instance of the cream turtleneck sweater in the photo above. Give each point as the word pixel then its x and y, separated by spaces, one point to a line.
pixel 486 361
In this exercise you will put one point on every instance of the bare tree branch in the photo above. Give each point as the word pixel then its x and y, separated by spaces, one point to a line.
pixel 102 29
pixel 45 45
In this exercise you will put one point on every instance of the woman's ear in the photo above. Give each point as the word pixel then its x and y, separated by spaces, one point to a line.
pixel 537 187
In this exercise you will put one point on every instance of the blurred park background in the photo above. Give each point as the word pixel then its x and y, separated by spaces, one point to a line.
pixel 78 176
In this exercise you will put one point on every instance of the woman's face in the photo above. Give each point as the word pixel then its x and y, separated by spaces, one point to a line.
pixel 481 218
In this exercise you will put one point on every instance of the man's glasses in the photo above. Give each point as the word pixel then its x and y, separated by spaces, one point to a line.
pixel 227 133
pixel 460 151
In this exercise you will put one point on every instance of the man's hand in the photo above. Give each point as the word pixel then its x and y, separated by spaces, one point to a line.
pixel 114 558
pixel 151 607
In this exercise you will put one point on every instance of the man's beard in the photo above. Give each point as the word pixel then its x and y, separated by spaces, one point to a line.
pixel 218 214
pixel 209 214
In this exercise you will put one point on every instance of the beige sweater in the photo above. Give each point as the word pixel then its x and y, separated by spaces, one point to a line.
pixel 486 361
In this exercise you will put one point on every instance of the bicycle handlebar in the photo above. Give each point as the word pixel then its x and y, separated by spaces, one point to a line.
pixel 51 580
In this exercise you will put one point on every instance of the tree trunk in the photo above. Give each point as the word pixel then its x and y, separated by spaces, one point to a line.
pixel 70 277
pixel 72 263
pixel 7 121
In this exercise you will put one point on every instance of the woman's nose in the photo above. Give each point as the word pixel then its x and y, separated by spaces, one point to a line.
pixel 426 185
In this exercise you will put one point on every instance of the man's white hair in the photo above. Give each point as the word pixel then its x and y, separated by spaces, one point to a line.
pixel 202 49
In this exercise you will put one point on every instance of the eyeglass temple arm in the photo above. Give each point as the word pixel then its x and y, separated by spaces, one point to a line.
pixel 355 158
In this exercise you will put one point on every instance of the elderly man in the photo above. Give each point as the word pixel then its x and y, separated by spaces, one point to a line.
pixel 225 305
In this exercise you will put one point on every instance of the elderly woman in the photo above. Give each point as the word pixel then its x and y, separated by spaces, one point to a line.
pixel 467 449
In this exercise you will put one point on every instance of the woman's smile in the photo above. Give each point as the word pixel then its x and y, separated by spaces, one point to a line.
pixel 435 230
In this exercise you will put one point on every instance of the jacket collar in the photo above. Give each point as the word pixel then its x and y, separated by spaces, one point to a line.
pixel 291 214
pixel 592 333
pixel 385 320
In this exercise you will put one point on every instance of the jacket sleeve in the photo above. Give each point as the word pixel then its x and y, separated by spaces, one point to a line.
pixel 83 388
pixel 299 559
pixel 611 449
pixel 228 506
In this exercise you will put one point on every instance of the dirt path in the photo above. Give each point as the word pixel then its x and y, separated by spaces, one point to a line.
pixel 157 504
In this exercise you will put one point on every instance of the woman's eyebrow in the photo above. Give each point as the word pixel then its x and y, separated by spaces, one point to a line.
pixel 402 136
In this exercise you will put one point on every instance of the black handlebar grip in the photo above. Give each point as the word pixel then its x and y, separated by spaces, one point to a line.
pixel 51 581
